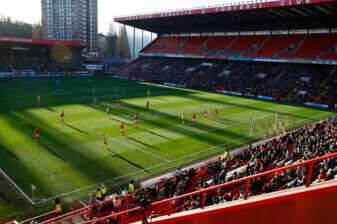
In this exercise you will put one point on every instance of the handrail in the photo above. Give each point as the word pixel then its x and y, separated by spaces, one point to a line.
pixel 75 212
pixel 63 216
pixel 246 180
pixel 69 214
pixel 36 217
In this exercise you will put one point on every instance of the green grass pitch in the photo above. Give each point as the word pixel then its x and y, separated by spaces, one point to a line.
pixel 72 156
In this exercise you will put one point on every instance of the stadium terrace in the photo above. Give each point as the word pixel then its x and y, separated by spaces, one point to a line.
pixel 228 116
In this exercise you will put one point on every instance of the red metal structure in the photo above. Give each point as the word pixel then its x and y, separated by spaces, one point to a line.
pixel 170 205
pixel 250 5
pixel 41 42
pixel 296 206
pixel 245 16
pixel 250 16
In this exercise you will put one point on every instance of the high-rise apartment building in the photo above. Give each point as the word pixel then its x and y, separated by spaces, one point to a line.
pixel 71 20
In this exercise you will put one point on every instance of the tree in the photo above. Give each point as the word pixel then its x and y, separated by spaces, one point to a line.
pixel 102 44
pixel 123 43
pixel 37 31
pixel 114 44
pixel 9 27
pixel 108 43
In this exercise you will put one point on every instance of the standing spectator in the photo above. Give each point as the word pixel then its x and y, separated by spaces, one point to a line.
pixel 131 186
pixel 57 207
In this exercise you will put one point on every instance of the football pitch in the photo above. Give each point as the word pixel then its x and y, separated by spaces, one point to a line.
pixel 72 157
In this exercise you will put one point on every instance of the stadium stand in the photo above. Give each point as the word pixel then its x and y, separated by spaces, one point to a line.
pixel 288 82
pixel 224 175
pixel 306 73
pixel 19 55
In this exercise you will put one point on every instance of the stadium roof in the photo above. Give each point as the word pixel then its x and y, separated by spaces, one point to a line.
pixel 40 42
pixel 248 16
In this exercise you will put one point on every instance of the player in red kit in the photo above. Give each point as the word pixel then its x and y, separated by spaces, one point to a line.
pixel 62 116
pixel 194 118
pixel 37 134
pixel 122 128
pixel 205 114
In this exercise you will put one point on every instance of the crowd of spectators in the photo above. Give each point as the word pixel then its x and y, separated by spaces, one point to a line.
pixel 287 82
pixel 308 142
pixel 281 81
pixel 329 93
pixel 37 64
pixel 4 65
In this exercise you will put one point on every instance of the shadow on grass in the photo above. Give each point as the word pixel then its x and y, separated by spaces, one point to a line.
pixel 161 136
pixel 142 143
pixel 21 173
pixel 76 129
pixel 170 121
pixel 62 147
pixel 119 156
pixel 73 90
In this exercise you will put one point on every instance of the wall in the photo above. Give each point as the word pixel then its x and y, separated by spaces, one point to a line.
pixel 309 207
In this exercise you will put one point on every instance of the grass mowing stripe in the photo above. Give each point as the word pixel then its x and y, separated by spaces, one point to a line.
pixel 75 155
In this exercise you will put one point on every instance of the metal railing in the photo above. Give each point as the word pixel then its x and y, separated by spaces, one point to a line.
pixel 246 182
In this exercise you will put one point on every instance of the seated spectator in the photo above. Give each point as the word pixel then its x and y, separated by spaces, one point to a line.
pixel 57 207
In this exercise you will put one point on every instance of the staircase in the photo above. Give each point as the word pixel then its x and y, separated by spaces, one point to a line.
pixel 205 44
pixel 292 89
pixel 276 55
pixel 324 83
pixel 181 45
pixel 261 45
pixel 300 44
pixel 294 51
pixel 232 43
pixel 291 93
pixel 280 76
pixel 10 66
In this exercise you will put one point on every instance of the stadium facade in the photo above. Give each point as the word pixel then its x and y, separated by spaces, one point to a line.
pixel 30 57
pixel 249 42
pixel 71 20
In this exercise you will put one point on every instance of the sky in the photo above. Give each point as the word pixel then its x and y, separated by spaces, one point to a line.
pixel 30 10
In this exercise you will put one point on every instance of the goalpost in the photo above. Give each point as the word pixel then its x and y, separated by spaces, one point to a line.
pixel 270 125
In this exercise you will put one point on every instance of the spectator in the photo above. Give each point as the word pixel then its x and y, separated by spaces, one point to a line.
pixel 57 207
pixel 131 186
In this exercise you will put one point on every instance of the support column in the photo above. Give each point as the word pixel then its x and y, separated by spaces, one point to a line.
pixel 134 44
pixel 142 39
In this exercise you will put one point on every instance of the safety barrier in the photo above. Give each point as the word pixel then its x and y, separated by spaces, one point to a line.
pixel 136 214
